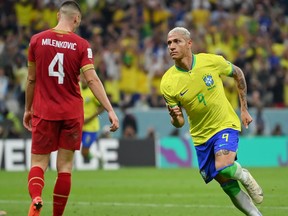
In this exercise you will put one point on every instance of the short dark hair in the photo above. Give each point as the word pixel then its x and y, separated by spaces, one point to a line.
pixel 73 4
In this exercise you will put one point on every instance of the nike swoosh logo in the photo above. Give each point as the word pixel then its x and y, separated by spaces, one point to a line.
pixel 182 93
pixel 222 145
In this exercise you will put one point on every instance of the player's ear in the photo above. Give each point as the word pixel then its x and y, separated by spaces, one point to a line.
pixel 190 42
pixel 77 20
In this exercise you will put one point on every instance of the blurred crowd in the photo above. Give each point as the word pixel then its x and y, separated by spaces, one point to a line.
pixel 128 38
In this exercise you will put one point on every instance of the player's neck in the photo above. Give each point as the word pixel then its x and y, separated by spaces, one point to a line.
pixel 184 63
pixel 64 27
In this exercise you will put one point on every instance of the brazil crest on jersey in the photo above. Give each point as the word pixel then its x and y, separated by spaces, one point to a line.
pixel 201 93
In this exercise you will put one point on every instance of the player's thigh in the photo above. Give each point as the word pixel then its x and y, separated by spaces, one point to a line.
pixel 225 147
pixel 45 135
pixel 71 134
pixel 224 158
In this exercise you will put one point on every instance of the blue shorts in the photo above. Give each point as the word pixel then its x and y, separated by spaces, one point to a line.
pixel 88 138
pixel 226 139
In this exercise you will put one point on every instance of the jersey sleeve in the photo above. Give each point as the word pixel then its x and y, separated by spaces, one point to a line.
pixel 87 57
pixel 31 56
pixel 167 94
pixel 224 67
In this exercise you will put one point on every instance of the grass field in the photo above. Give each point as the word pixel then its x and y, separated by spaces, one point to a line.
pixel 144 192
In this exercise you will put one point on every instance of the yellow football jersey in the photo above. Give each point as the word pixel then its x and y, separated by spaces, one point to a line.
pixel 91 105
pixel 201 93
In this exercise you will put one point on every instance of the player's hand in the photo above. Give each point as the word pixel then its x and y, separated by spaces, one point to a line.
pixel 175 111
pixel 114 121
pixel 176 114
pixel 246 118
pixel 27 120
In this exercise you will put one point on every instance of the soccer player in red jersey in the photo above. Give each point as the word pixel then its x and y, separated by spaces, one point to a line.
pixel 54 106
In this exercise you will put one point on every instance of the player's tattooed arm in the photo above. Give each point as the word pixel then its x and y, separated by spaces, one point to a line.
pixel 239 77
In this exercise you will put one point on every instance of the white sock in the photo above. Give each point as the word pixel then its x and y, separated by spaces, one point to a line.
pixel 243 202
pixel 239 174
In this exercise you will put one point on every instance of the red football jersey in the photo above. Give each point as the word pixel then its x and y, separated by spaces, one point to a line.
pixel 59 57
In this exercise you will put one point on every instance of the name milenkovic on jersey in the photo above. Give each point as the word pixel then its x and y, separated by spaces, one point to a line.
pixel 59 44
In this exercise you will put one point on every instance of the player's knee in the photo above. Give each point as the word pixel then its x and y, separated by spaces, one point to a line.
pixel 229 171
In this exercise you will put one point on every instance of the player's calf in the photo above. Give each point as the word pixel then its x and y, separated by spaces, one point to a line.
pixel 240 199
pixel 235 171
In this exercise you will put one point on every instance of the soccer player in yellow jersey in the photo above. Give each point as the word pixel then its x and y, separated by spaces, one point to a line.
pixel 194 84
pixel 91 127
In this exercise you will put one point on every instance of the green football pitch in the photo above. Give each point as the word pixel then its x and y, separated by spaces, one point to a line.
pixel 143 192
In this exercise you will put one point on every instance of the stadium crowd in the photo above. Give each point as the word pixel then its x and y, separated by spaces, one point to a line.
pixel 128 38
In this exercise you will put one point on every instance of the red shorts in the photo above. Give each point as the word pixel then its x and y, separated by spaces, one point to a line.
pixel 48 136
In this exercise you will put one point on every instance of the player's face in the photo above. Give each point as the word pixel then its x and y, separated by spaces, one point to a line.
pixel 178 45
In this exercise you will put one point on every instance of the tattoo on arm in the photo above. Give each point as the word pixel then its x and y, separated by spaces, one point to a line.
pixel 241 85
pixel 222 152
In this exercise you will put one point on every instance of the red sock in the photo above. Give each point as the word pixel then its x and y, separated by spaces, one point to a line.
pixel 35 181
pixel 61 193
